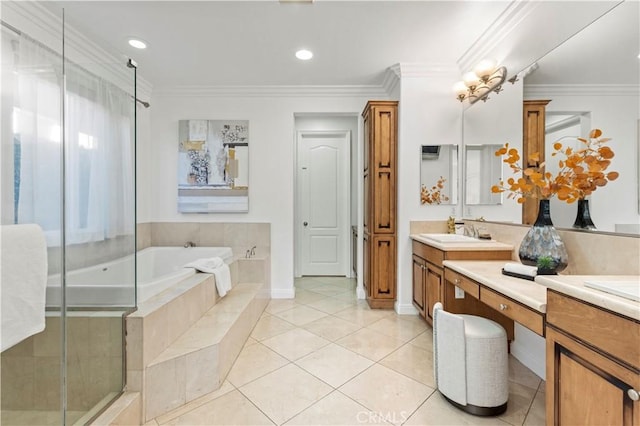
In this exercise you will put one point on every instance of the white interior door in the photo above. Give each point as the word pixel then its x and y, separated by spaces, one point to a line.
pixel 323 207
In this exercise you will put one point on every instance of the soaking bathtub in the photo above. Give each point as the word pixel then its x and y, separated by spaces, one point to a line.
pixel 110 284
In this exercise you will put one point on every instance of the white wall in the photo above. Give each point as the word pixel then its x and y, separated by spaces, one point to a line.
pixel 429 114
pixel 271 161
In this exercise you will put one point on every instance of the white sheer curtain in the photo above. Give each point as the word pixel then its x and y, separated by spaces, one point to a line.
pixel 98 125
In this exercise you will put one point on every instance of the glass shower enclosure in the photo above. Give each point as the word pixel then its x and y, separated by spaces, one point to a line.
pixel 68 165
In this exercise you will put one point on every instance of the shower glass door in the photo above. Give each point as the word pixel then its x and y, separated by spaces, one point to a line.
pixel 68 165
pixel 100 223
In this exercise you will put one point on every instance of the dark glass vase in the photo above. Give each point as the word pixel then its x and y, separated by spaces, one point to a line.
pixel 542 246
pixel 583 218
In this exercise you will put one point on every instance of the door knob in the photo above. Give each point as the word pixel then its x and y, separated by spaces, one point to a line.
pixel 305 223
pixel 633 394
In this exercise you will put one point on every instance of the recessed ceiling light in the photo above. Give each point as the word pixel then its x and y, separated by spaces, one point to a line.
pixel 304 54
pixel 138 44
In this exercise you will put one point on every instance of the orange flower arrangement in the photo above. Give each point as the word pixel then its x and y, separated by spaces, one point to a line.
pixel 587 166
pixel 434 194
pixel 581 171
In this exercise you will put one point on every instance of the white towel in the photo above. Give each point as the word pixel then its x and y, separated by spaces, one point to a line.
pixel 518 268
pixel 24 282
pixel 218 268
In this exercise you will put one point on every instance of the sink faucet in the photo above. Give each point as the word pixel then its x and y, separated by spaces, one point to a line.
pixel 189 244
pixel 253 251
pixel 470 231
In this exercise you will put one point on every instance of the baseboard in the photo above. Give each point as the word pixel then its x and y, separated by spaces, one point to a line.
pixel 405 309
pixel 283 293
pixel 360 293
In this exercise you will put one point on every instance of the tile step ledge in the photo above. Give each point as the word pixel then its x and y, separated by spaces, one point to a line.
pixel 199 360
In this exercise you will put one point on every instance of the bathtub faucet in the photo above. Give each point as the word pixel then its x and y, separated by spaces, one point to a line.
pixel 189 244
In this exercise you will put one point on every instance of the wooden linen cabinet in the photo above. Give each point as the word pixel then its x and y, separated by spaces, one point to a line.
pixel 380 170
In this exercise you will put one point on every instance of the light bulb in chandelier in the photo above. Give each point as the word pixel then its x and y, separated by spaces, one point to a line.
pixel 471 80
pixel 460 89
pixel 485 68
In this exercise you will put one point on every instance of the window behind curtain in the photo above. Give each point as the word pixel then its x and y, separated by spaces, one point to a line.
pixel 99 148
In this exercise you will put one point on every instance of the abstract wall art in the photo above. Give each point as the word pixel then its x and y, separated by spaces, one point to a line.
pixel 213 166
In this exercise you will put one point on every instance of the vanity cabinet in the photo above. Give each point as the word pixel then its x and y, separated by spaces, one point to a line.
pixel 429 275
pixel 380 168
pixel 593 364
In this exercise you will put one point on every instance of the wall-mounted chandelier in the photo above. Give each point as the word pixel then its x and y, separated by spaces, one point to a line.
pixel 485 78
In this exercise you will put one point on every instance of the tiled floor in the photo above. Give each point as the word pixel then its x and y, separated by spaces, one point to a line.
pixel 325 358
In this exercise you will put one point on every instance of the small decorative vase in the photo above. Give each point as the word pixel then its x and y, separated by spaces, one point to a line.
pixel 583 218
pixel 542 246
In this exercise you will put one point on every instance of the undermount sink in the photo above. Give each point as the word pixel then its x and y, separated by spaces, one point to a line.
pixel 452 238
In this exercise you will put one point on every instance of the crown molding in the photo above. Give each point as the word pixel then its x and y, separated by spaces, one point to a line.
pixel 550 90
pixel 498 31
pixel 370 91
pixel 43 25
pixel 391 79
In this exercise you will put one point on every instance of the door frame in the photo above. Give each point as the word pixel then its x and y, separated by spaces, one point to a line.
pixel 345 238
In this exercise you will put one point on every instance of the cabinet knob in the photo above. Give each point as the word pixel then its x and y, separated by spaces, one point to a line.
pixel 457 281
pixel 633 394
pixel 503 307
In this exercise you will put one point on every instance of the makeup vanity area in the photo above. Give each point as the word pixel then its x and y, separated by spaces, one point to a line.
pixel 592 337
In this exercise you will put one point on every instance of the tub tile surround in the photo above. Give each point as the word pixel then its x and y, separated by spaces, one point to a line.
pixel 589 253
pixel 239 236
pixel 182 342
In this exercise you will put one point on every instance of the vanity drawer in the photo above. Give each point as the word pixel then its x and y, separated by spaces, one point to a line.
pixel 607 331
pixel 533 320
pixel 470 287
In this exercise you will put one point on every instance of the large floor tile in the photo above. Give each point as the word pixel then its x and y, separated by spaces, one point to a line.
pixel 520 398
pixel 285 392
pixel 306 283
pixel 334 364
pixel 520 374
pixel 331 305
pixel 370 344
pixel 362 315
pixel 536 414
pixel 336 409
pixel 384 391
pixel 424 340
pixel 254 361
pixel 230 409
pixel 301 315
pixel 395 326
pixel 279 305
pixel 306 296
pixel 331 328
pixel 437 411
pixel 269 326
pixel 329 290
pixel 413 362
pixel 295 344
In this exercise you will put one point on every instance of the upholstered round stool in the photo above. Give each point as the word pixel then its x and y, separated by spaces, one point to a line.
pixel 470 362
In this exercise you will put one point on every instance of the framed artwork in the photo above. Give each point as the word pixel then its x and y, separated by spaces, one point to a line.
pixel 213 166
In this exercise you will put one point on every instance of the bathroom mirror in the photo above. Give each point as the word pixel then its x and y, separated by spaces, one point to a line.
pixel 438 174
pixel 592 80
pixel 482 170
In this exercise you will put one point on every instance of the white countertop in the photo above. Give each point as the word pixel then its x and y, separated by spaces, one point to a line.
pixel 489 274
pixel 573 285
pixel 488 245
